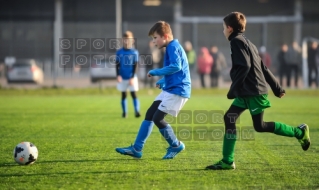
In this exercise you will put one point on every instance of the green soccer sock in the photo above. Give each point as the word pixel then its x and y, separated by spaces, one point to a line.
pixel 229 147
pixel 288 131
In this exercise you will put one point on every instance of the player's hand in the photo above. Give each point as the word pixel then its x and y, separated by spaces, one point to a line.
pixel 150 73
pixel 119 79
pixel 160 84
pixel 131 81
pixel 282 95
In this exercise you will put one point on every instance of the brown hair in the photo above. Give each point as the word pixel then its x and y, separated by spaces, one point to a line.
pixel 236 20
pixel 128 34
pixel 161 28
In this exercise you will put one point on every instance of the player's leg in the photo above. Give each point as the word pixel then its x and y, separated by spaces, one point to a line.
pixel 136 104
pixel 301 132
pixel 230 136
pixel 144 132
pixel 146 126
pixel 134 88
pixel 124 104
pixel 258 104
pixel 171 104
pixel 122 87
pixel 175 146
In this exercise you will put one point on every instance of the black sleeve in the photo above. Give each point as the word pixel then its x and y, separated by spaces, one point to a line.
pixel 271 80
pixel 117 68
pixel 241 66
pixel 134 69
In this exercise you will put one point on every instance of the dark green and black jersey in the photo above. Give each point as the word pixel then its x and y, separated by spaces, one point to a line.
pixel 248 73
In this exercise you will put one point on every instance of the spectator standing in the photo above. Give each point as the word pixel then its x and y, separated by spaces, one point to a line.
pixel 219 64
pixel 312 64
pixel 204 64
pixel 282 63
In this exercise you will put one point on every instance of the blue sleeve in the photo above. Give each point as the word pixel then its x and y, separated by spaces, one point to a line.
pixel 174 66
pixel 136 56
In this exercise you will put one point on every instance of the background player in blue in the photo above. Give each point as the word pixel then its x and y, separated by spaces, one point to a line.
pixel 176 90
pixel 126 63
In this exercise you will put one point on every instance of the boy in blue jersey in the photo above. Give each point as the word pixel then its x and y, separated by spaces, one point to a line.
pixel 126 63
pixel 176 90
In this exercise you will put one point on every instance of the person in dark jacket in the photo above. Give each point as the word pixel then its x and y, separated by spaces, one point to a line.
pixel 219 64
pixel 249 90
pixel 293 63
pixel 282 62
pixel 312 64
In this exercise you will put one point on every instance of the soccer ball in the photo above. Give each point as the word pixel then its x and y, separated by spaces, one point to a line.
pixel 25 153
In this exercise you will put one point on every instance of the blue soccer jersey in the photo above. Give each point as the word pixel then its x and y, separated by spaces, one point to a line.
pixel 126 58
pixel 175 71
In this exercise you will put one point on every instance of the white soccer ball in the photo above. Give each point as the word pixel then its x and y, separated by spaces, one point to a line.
pixel 25 153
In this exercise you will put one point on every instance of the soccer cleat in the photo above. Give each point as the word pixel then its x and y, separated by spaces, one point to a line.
pixel 137 114
pixel 130 151
pixel 305 141
pixel 221 165
pixel 173 151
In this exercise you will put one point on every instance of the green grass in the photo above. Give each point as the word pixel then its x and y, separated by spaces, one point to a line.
pixel 77 130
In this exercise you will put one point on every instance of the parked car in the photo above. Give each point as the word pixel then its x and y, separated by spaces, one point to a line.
pixel 25 70
pixel 104 70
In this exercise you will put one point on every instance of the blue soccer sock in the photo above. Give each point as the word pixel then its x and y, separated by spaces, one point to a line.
pixel 136 104
pixel 143 134
pixel 169 136
pixel 124 106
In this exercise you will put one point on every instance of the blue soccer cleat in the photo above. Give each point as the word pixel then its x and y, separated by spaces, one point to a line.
pixel 130 151
pixel 173 151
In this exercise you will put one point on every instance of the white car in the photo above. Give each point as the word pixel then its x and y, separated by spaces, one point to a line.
pixel 25 71
pixel 105 70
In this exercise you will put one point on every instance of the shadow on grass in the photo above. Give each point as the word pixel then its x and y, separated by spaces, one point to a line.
pixel 70 161
pixel 97 172
pixel 64 161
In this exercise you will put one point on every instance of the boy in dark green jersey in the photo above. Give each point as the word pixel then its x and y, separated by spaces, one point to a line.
pixel 249 90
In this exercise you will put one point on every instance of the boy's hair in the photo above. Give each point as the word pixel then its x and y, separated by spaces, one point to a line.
pixel 161 28
pixel 128 34
pixel 236 20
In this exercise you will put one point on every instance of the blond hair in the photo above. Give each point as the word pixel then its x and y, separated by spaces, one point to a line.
pixel 128 34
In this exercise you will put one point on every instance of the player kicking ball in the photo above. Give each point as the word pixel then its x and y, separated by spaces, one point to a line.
pixel 249 90
pixel 176 90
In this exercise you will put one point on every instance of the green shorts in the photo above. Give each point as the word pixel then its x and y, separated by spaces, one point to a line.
pixel 255 104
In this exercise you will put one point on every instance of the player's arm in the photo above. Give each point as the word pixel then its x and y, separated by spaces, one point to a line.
pixel 241 64
pixel 117 68
pixel 271 80
pixel 117 64
pixel 135 63
pixel 174 66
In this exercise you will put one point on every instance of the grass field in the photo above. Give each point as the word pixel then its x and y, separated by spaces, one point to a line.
pixel 76 132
